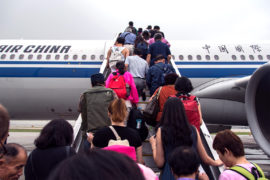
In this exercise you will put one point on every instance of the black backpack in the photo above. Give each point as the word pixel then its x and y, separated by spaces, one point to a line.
pixel 136 121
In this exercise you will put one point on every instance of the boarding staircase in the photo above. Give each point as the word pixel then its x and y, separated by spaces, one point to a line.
pixel 212 172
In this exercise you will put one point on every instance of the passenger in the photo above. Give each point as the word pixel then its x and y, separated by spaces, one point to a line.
pixel 175 131
pixel 151 31
pixel 166 91
pixel 230 150
pixel 152 40
pixel 138 67
pixel 142 45
pixel 4 121
pixel 183 87
pixel 97 165
pixel 146 35
pixel 133 98
pixel 185 163
pixel 52 147
pixel 118 113
pixel 129 37
pixel 93 105
pixel 158 48
pixel 130 25
pixel 139 31
pixel 117 53
pixel 157 30
pixel 13 161
pixel 156 73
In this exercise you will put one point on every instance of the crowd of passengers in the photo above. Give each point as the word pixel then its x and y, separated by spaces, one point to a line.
pixel 111 149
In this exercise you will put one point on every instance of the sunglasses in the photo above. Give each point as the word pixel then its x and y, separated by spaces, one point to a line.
pixel 3 150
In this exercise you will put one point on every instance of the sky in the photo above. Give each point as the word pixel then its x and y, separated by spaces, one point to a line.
pixel 215 20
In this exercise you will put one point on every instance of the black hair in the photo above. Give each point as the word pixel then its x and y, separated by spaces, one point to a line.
pixel 146 35
pixel 98 164
pixel 149 27
pixel 97 79
pixel 120 65
pixel 4 121
pixel 130 23
pixel 158 36
pixel 156 27
pixel 159 57
pixel 12 150
pixel 183 85
pixel 120 40
pixel 139 30
pixel 174 125
pixel 170 78
pixel 184 161
pixel 58 132
pixel 137 52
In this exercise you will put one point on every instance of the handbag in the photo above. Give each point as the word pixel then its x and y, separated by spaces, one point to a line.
pixel 118 140
pixel 151 110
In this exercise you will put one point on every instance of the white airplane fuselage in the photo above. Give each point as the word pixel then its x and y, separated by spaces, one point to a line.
pixel 44 79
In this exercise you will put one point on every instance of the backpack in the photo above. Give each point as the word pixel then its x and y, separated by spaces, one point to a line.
pixel 250 175
pixel 119 86
pixel 191 109
pixel 143 47
pixel 116 55
pixel 165 70
pixel 137 122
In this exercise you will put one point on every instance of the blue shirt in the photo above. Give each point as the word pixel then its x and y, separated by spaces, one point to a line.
pixel 129 37
pixel 158 48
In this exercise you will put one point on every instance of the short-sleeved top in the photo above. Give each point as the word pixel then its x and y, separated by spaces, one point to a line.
pixel 231 175
pixel 158 48
pixel 103 136
pixel 137 66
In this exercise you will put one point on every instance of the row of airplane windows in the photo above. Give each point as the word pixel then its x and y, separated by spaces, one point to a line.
pixel 101 57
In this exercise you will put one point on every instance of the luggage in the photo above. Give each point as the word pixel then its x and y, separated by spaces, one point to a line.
pixel 116 55
pixel 119 86
pixel 137 122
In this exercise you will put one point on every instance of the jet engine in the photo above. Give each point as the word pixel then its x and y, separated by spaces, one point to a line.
pixel 241 101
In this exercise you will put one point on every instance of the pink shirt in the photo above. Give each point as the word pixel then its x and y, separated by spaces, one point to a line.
pixel 133 97
pixel 152 40
pixel 231 175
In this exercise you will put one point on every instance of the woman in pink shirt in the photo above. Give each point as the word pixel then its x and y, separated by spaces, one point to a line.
pixel 133 97
pixel 152 40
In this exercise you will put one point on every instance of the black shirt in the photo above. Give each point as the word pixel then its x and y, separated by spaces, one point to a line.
pixel 103 136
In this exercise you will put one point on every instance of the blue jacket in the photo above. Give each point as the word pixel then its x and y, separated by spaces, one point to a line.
pixel 156 74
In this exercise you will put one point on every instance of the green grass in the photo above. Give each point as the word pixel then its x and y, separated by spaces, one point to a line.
pixel 24 130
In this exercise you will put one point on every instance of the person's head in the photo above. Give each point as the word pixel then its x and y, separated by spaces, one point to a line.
pixel 98 164
pixel 11 165
pixel 97 79
pixel 183 85
pixel 139 30
pixel 137 52
pixel 130 23
pixel 120 65
pixel 146 35
pixel 117 110
pixel 156 28
pixel 228 146
pixel 174 123
pixel 158 37
pixel 184 161
pixel 170 78
pixel 159 58
pixel 58 132
pixel 120 40
pixel 4 121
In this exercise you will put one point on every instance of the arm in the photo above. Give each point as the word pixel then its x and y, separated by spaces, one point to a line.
pixel 148 58
pixel 204 156
pixel 126 53
pixel 200 113
pixel 108 56
pixel 139 155
pixel 169 58
pixel 134 92
pixel 158 152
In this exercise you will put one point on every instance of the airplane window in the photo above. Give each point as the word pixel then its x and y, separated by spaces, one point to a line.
pixel 207 57
pixel 84 57
pixel 57 57
pixel 30 56
pixel 101 57
pixel 260 57
pixel 199 57
pixel 216 57
pixel 48 57
pixel 251 57
pixel 66 57
pixel 3 56
pixel 268 57
pixel 75 57
pixel 234 57
pixel 173 57
pixel 12 56
pixel 189 57
pixel 39 57
pixel 21 56
pixel 243 57
pixel 93 57
pixel 181 57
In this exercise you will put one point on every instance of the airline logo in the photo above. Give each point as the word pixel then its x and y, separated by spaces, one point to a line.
pixel 34 49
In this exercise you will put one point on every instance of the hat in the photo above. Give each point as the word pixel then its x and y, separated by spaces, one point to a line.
pixel 97 78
